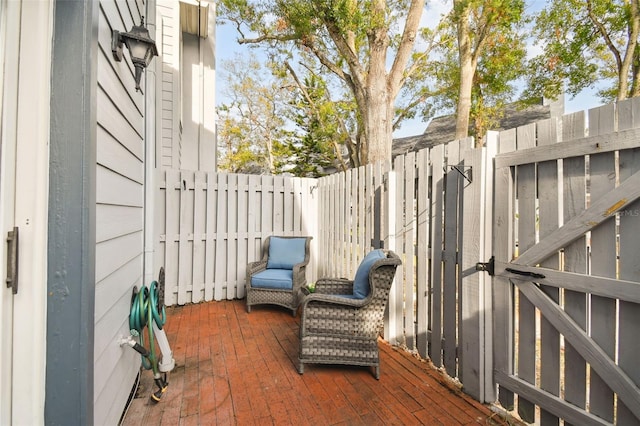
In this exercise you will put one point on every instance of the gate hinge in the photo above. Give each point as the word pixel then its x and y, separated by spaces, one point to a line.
pixel 487 266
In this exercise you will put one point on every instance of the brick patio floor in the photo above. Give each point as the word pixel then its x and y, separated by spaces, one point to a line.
pixel 239 368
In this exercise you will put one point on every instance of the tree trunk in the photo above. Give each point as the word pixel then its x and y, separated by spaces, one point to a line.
pixel 467 70
pixel 378 129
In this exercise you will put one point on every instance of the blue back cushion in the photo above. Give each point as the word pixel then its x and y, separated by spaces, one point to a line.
pixel 361 281
pixel 285 252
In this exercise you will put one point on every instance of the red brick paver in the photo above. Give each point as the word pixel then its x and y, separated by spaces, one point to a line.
pixel 239 368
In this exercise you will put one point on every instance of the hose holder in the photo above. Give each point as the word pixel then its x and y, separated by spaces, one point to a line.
pixel 147 310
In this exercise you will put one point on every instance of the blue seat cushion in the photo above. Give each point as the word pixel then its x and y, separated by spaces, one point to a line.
pixel 361 287
pixel 284 253
pixel 273 278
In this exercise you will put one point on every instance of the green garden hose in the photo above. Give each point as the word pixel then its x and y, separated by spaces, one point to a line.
pixel 147 306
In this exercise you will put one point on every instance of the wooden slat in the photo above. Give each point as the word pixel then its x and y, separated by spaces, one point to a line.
pixel 232 236
pixel 548 222
pixel 602 286
pixel 185 254
pixel 629 312
pixel 472 329
pixel 437 161
pixel 356 207
pixel 554 404
pixel 409 250
pixel 396 298
pixel 594 144
pixel 450 260
pixel 575 259
pixel 172 230
pixel 288 207
pixel 422 266
pixel 219 291
pixel 603 260
pixel 266 203
pixel 363 243
pixel 502 296
pixel 210 241
pixel 392 326
pixel 199 237
pixel 526 198
pixel 243 207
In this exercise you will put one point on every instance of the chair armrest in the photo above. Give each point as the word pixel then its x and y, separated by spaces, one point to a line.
pixel 299 276
pixel 255 267
pixel 328 313
pixel 327 300
pixel 334 286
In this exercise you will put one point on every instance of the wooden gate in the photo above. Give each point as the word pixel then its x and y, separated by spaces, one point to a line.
pixel 566 290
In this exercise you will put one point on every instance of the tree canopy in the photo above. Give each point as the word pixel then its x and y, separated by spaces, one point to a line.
pixel 354 70
pixel 585 42
pixel 367 46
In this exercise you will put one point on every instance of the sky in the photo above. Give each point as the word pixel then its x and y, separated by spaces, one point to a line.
pixel 227 48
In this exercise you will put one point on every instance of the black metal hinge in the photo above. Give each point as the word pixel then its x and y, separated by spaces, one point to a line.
pixel 487 266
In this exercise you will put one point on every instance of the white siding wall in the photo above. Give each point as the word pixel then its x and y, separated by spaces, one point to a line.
pixel 119 212
pixel 169 84
pixel 186 97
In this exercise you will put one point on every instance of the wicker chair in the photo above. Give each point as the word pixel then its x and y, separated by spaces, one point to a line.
pixel 342 319
pixel 276 279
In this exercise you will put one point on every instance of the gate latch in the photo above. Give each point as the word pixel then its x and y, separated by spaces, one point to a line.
pixel 487 266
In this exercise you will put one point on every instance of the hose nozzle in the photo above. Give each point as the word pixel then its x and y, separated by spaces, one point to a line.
pixel 162 388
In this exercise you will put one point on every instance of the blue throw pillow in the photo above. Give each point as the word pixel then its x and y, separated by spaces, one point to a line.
pixel 285 252
pixel 361 281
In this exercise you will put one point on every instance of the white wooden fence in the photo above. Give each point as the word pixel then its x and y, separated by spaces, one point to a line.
pixel 211 225
pixel 437 208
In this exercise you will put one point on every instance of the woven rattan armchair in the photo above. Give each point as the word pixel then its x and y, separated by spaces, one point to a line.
pixel 341 321
pixel 276 279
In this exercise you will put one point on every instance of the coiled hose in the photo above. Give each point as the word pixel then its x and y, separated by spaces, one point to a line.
pixel 147 306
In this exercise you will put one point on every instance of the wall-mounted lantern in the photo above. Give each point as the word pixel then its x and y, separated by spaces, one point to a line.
pixel 141 47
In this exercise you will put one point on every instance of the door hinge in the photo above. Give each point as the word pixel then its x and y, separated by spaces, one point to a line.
pixel 487 266
pixel 12 260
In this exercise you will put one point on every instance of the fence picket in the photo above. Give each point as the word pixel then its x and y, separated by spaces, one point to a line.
pixel 603 242
pixel 548 183
pixel 503 293
pixel 526 190
pixel 199 237
pixel 423 214
pixel 453 182
pixel 408 230
pixel 472 327
pixel 629 317
pixel 242 243
pixel 438 164
pixel 575 259
pixel 210 241
pixel 232 236
pixel 172 196
pixel 219 291
pixel 185 238
pixel 396 298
